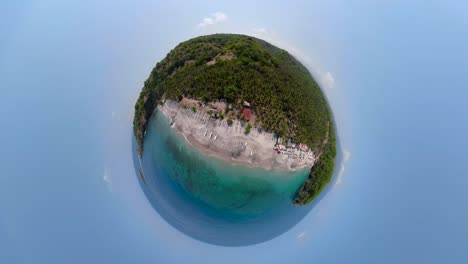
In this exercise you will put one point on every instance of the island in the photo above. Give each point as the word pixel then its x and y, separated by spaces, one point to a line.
pixel 243 100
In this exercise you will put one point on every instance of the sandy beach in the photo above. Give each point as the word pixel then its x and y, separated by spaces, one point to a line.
pixel 229 142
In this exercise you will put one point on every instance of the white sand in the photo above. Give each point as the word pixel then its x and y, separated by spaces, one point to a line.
pixel 214 137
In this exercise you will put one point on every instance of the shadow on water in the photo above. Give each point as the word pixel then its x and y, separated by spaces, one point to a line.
pixel 201 222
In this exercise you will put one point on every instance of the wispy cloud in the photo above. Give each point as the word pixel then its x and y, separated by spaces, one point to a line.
pixel 107 178
pixel 346 157
pixel 213 19
pixel 327 80
pixel 260 30
pixel 301 236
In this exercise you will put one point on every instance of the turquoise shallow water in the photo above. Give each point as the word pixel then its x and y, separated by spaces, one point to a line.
pixel 211 199
pixel 232 188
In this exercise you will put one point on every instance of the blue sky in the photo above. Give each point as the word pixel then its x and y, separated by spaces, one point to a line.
pixel 393 71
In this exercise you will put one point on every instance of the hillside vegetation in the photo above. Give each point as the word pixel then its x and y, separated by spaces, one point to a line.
pixel 237 68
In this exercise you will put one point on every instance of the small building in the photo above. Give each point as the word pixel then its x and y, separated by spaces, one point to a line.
pixel 247 114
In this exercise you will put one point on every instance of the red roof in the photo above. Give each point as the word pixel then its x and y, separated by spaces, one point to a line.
pixel 247 113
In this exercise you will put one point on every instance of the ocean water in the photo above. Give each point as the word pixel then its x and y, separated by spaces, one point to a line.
pixel 72 70
pixel 209 198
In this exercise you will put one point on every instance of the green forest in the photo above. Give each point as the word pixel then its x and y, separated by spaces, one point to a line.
pixel 283 95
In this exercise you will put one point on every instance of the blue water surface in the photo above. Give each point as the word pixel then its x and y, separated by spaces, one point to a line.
pixel 393 71
pixel 210 199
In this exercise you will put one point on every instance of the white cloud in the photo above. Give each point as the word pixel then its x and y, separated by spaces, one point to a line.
pixel 346 157
pixel 339 180
pixel 301 236
pixel 214 18
pixel 327 80
pixel 260 30
pixel 107 179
